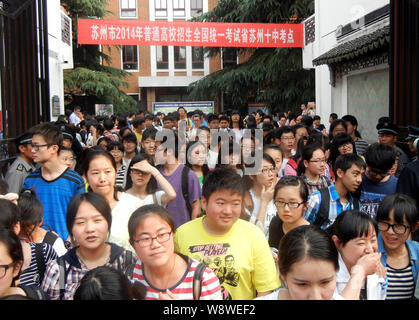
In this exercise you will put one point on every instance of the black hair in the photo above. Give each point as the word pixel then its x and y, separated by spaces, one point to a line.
pixel 104 138
pixel 137 121
pixel 96 200
pixel 251 123
pixel 345 161
pixel 122 130
pixel 353 121
pixel 380 156
pixel 307 154
pixel 307 121
pixel 106 283
pixel 222 179
pixel 282 130
pixel 108 124
pixel 49 132
pixel 334 124
pixel 306 241
pixel 338 141
pixel 149 133
pixel 13 247
pixel 152 183
pixel 402 206
pixel 31 211
pixel 352 224
pixel 130 137
pixel 292 181
pixel 316 117
pixel 139 215
pixel 10 214
pixel 333 115
pixel 115 145
pixel 4 186
pixel 225 118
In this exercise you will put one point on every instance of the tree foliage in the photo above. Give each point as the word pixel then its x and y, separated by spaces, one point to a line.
pixel 91 79
pixel 271 75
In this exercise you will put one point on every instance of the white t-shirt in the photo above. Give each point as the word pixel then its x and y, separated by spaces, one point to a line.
pixel 121 213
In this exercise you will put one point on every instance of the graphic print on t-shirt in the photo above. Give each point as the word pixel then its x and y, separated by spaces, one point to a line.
pixel 216 257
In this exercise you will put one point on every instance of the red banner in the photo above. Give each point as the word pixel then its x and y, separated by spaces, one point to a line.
pixel 195 34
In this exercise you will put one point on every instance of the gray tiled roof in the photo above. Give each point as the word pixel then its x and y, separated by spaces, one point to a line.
pixel 357 47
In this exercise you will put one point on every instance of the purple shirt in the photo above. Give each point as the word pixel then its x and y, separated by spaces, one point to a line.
pixel 177 207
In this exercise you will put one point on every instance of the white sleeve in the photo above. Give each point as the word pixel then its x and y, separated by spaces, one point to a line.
pixel 59 247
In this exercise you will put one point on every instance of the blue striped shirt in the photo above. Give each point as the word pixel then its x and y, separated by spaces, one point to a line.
pixel 335 206
pixel 55 196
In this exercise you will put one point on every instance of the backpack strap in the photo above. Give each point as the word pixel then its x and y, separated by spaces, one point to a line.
pixel 50 238
pixel 293 164
pixel 129 270
pixel 185 191
pixel 40 262
pixel 197 280
pixel 155 198
pixel 34 292
pixel 323 213
pixel 63 275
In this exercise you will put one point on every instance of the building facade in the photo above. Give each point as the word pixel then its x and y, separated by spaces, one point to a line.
pixel 163 73
pixel 348 44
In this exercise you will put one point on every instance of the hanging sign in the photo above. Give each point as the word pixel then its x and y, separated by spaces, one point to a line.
pixel 194 34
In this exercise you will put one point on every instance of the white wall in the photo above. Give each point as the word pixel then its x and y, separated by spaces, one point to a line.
pixel 329 14
pixel 60 55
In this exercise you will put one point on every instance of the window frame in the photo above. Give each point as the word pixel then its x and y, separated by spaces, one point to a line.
pixel 160 9
pixel 128 62
pixel 121 10
pixel 162 62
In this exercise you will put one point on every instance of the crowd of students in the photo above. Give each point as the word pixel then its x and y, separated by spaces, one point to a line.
pixel 163 207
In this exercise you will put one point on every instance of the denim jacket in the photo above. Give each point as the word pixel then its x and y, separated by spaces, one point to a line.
pixel 413 248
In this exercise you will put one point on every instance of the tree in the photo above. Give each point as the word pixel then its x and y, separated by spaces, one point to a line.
pixel 90 81
pixel 271 75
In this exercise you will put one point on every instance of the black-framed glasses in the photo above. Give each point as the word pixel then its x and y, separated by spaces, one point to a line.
pixel 147 241
pixel 291 205
pixel 36 147
pixel 4 268
pixel 397 228
pixel 372 173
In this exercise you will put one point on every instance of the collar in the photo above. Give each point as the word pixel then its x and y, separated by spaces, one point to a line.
pixel 72 258
pixel 334 195
pixel 343 273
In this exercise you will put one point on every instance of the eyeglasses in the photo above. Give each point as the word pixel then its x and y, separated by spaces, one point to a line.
pixel 35 147
pixel 136 171
pixel 375 174
pixel 269 170
pixel 4 268
pixel 318 161
pixel 161 238
pixel 291 205
pixel 397 228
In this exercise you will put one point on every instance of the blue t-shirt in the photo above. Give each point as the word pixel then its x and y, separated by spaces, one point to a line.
pixel 373 193
pixel 55 196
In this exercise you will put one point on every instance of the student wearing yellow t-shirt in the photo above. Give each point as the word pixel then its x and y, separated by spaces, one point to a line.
pixel 235 249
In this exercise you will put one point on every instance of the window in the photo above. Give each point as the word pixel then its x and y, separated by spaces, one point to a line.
pixel 229 57
pixel 162 57
pixel 178 8
pixel 130 58
pixel 180 57
pixel 128 8
pixel 196 8
pixel 161 8
pixel 197 58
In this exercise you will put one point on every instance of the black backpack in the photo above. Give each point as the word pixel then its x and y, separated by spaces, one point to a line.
pixel 185 191
pixel 323 213
pixel 35 292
